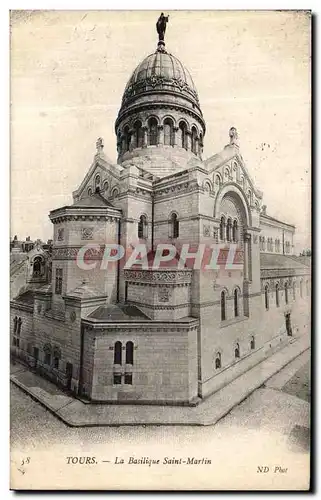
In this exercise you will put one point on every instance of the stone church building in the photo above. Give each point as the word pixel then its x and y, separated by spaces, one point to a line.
pixel 177 333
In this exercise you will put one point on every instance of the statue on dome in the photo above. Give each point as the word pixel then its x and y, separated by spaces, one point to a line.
pixel 99 144
pixel 233 136
pixel 161 26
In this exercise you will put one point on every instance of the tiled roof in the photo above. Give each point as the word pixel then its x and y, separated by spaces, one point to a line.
pixel 279 261
pixel 118 312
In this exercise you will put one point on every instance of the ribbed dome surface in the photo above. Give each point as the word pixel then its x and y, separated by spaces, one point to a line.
pixel 159 70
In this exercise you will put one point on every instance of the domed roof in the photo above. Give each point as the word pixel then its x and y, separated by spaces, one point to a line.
pixel 160 71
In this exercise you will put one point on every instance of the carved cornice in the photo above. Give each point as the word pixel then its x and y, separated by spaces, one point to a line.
pixel 56 219
pixel 141 327
pixel 157 307
pixel 276 273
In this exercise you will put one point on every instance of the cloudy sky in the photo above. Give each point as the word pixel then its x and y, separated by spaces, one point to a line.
pixel 69 70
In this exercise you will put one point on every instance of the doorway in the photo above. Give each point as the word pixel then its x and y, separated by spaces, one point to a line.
pixel 288 324
pixel 68 375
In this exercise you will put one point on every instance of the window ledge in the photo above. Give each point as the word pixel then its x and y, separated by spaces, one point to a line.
pixel 231 321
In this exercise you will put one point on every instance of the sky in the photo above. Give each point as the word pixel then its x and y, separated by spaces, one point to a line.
pixel 69 70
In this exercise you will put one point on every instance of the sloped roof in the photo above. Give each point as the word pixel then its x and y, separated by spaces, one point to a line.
pixel 279 261
pixel 26 297
pixel 84 291
pixel 93 201
pixel 118 312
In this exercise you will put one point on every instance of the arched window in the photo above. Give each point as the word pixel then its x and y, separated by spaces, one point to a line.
pixel 249 196
pixel 19 326
pixel 277 298
pixel 237 351
pixel 174 226
pixel 223 305
pixel 286 293
pixel 236 302
pixel 222 229
pixel 266 295
pixel 142 227
pixel 90 191
pixel 36 267
pixel 252 343
pixel 15 324
pixel 129 353
pixel 139 135
pixel 152 132
pixel 97 183
pixel 218 361
pixel 271 245
pixel 194 140
pixel 183 135
pixel 227 173
pixel 263 243
pixel 301 288
pixel 294 289
pixel 117 353
pixel 105 186
pixel 229 230
pixel 218 181
pixel 168 132
pixel 235 231
pixel 115 192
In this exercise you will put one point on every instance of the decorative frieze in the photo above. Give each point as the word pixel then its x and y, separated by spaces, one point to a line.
pixel 70 253
pixel 161 276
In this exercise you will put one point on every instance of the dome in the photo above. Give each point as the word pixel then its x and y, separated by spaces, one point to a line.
pixel 160 120
pixel 158 71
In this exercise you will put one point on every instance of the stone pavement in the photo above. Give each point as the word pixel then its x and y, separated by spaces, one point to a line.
pixel 78 414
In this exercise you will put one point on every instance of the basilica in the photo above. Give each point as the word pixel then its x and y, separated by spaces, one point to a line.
pixel 174 334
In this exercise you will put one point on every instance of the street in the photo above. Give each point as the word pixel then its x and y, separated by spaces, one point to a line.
pixel 267 409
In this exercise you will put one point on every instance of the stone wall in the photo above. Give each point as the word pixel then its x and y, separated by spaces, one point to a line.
pixel 164 368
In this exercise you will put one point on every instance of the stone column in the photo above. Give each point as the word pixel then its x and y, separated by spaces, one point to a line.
pixel 175 130
pixel 145 136
pixel 132 144
pixel 189 140
pixel 247 238
pixel 160 139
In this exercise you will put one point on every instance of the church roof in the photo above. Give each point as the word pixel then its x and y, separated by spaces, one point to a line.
pixel 118 312
pixel 26 297
pixel 85 291
pixel 94 201
pixel 279 261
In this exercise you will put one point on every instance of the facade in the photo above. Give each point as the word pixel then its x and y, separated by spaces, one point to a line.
pixel 122 333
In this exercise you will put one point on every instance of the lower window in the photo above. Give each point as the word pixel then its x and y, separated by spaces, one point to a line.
pixel 129 378
pixel 47 359
pixel 56 363
pixel 117 378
